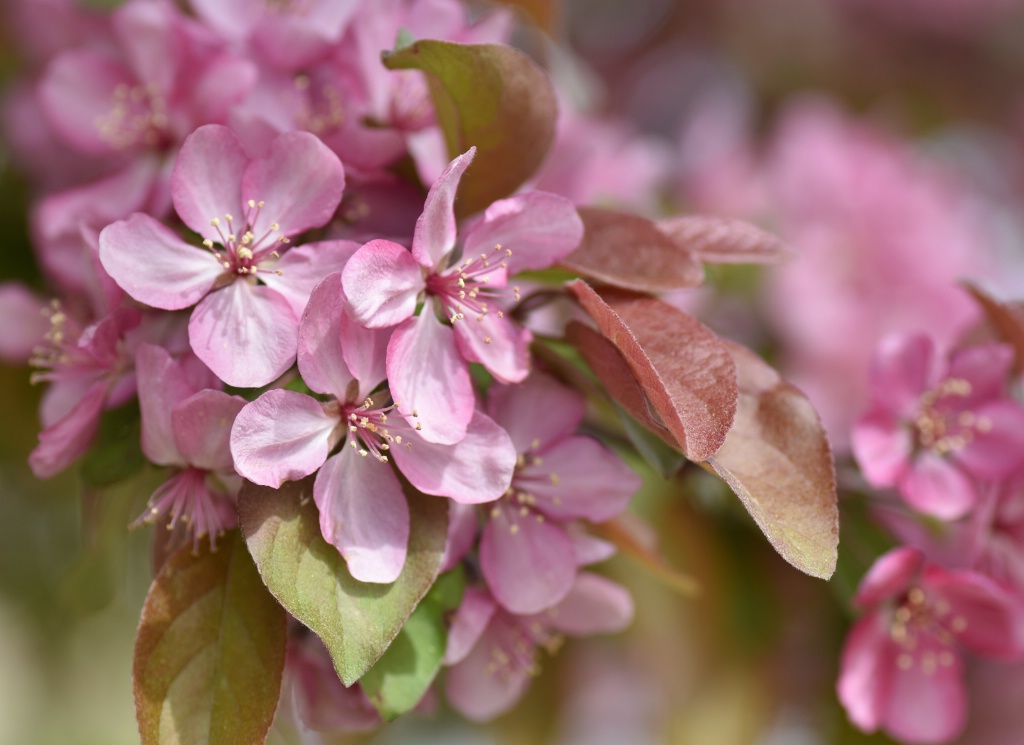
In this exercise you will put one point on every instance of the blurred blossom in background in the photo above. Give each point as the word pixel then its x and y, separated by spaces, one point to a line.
pixel 882 140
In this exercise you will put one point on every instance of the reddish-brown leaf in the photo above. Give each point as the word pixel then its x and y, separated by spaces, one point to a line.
pixel 1006 319
pixel 720 240
pixel 684 371
pixel 628 251
pixel 778 460
pixel 210 649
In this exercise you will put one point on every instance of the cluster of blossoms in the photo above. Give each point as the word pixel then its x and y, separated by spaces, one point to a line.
pixel 946 433
pixel 239 163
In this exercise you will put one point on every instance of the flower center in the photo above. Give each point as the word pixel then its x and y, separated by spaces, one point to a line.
pixel 374 432
pixel 521 502
pixel 925 632
pixel 940 425
pixel 137 117
pixel 320 106
pixel 474 287
pixel 247 254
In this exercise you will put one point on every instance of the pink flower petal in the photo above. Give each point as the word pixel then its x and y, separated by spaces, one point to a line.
pixel 300 181
pixel 246 334
pixel 321 360
pixel 926 705
pixel 382 282
pixel 529 565
pixel 24 322
pixel 206 183
pixel 462 530
pixel 154 266
pixel 434 237
pixel 578 477
pixel 985 366
pixel 540 408
pixel 77 95
pixel 594 605
pixel 365 352
pixel 162 385
pixel 150 36
pixel 996 451
pixel 983 616
pixel 537 227
pixel 427 375
pixel 890 575
pixel 281 436
pixel 882 446
pixel 470 620
pixel 478 688
pixel 589 549
pixel 497 343
pixel 202 429
pixel 303 267
pixel 865 673
pixel 938 487
pixel 901 371
pixel 363 513
pixel 477 469
pixel 69 438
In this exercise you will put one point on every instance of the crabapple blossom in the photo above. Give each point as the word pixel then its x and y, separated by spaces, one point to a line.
pixel 285 435
pixel 932 430
pixel 902 666
pixel 428 357
pixel 526 555
pixel 186 422
pixel 249 287
pixel 493 653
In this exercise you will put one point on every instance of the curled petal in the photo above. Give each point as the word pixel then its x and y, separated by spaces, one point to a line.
pixel 321 360
pixel 363 513
pixel 162 384
pixel 281 436
pixel 434 237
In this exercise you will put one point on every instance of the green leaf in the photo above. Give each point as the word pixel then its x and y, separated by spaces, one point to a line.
pixel 404 673
pixel 356 620
pixel 491 96
pixel 116 453
pixel 210 651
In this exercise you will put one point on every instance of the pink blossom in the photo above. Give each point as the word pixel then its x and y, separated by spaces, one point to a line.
pixel 185 425
pixel 315 697
pixel 291 34
pixel 932 431
pixel 88 369
pixel 284 435
pixel 526 554
pixel 494 653
pixel 883 235
pixel 427 356
pixel 248 295
pixel 902 666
